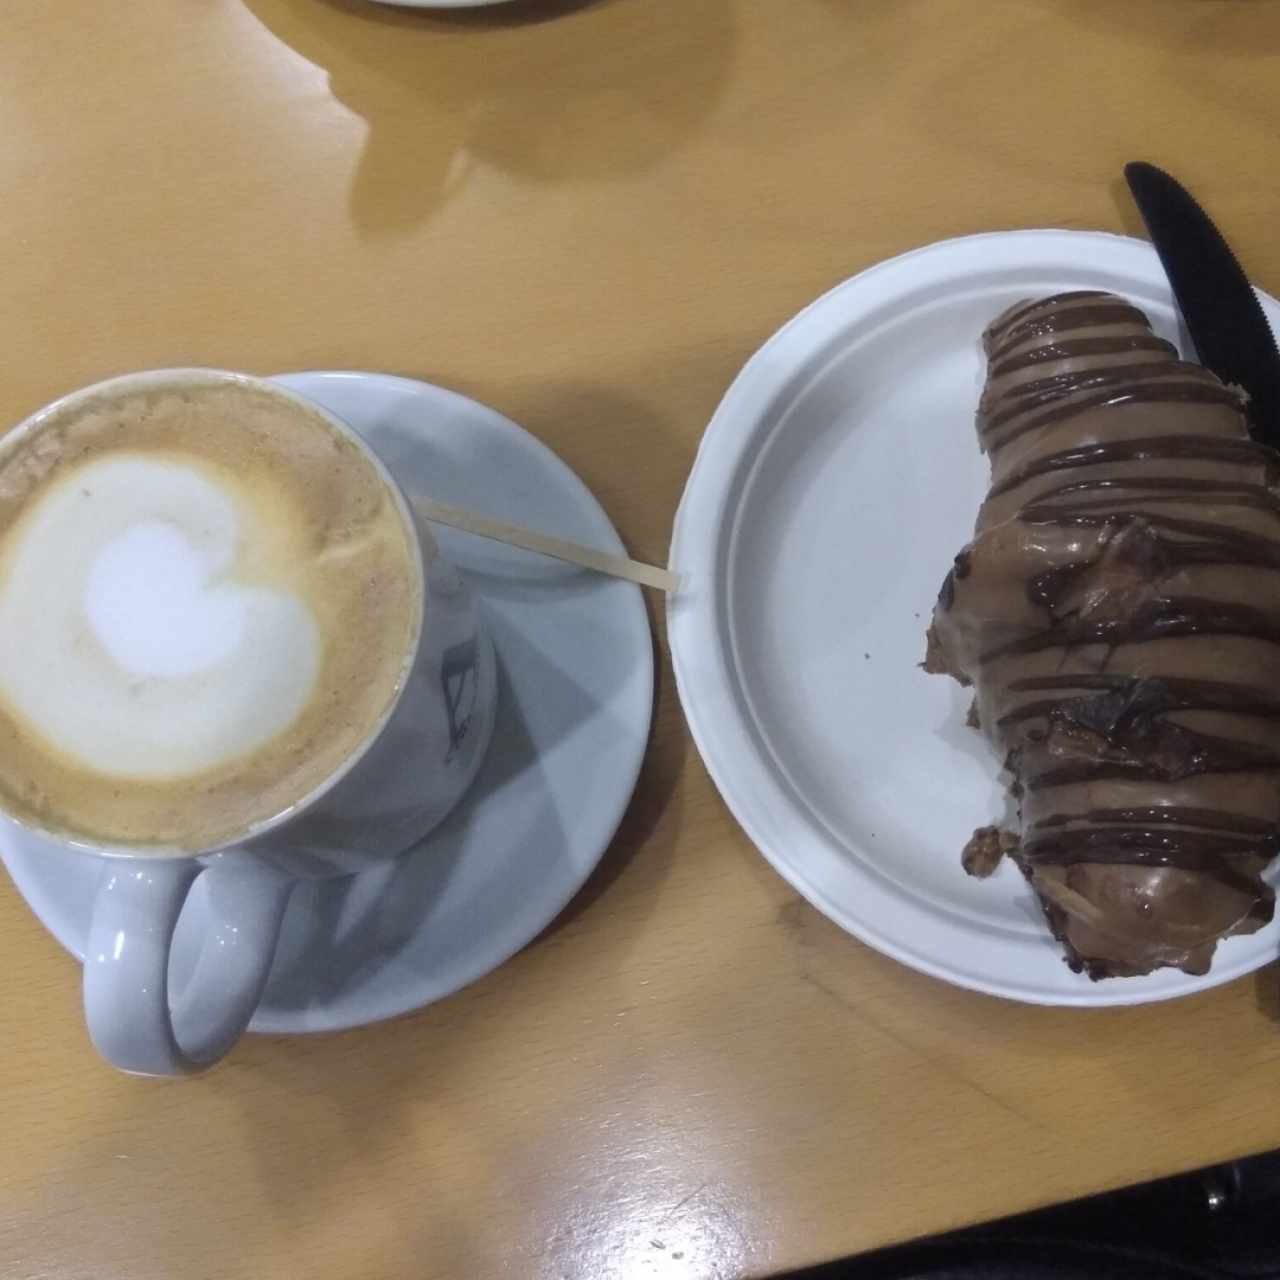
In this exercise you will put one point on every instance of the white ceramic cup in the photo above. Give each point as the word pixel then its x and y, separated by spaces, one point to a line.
pixel 402 780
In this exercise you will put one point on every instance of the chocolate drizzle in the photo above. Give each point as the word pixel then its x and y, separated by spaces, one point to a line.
pixel 1157 546
pixel 1059 386
pixel 1119 612
pixel 1050 306
pixel 1152 846
pixel 1074 348
pixel 1148 489
pixel 1153 696
pixel 1110 312
pixel 1154 391
pixel 1210 819
pixel 1159 619
pixel 1188 448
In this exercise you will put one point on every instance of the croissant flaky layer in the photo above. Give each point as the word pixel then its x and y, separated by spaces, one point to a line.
pixel 1118 614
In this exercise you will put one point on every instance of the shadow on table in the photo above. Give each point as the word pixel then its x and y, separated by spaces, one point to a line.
pixel 538 89
pixel 1211 28
pixel 1267 988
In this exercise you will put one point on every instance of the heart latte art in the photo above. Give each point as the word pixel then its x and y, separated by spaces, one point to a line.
pixel 128 638
pixel 207 597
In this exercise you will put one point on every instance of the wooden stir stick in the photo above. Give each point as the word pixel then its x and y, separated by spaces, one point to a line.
pixel 646 575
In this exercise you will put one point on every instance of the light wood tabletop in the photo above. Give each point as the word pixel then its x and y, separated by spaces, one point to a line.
pixel 588 216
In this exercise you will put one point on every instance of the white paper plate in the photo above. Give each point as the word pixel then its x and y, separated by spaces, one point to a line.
pixel 837 480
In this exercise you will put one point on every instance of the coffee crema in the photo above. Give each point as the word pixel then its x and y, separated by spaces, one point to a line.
pixel 208 600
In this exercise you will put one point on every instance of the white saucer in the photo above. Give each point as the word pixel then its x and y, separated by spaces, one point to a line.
pixel 837 480
pixel 575 698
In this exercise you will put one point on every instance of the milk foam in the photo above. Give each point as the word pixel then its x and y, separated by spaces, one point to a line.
pixel 130 638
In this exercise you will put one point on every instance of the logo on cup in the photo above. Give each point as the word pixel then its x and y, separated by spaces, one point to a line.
pixel 458 679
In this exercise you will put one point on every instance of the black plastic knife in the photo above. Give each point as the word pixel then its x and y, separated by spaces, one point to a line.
pixel 1221 310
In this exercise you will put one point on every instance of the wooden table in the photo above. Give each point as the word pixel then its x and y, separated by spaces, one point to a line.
pixel 589 222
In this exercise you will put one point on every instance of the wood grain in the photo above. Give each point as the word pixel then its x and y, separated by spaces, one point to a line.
pixel 588 216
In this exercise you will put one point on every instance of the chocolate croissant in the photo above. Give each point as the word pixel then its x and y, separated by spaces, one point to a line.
pixel 1118 614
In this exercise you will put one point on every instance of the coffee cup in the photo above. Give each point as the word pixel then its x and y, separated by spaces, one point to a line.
pixel 229 653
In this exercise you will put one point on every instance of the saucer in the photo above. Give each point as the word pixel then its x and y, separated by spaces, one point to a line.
pixel 575 697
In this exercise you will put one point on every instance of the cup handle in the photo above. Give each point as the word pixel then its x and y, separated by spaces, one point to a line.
pixel 126 971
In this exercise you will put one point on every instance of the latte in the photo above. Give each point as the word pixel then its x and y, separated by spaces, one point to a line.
pixel 208 600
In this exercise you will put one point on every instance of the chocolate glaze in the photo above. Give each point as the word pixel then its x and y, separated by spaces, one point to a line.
pixel 1158 846
pixel 1119 613
pixel 1145 390
pixel 1209 819
pixel 1182 490
pixel 1077 347
pixel 1153 696
pixel 1181 448
pixel 1106 312
pixel 1045 307
pixel 1046 391
pixel 1159 619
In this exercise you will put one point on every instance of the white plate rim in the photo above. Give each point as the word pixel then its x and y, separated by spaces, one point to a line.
pixel 716 707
